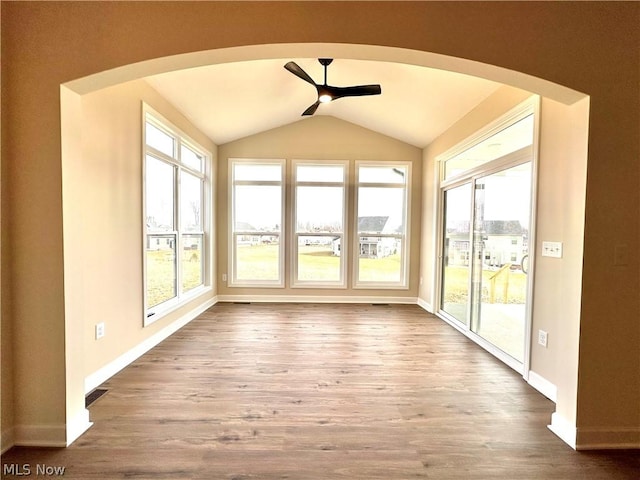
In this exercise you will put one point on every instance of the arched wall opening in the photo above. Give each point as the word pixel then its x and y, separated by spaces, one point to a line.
pixel 562 106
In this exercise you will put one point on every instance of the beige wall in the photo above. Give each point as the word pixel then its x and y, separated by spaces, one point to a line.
pixel 586 46
pixel 103 221
pixel 321 138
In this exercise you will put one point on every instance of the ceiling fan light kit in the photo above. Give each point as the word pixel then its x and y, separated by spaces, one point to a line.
pixel 327 93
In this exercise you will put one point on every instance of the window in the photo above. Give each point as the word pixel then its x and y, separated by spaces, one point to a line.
pixel 319 236
pixel 513 137
pixel 381 226
pixel 256 223
pixel 318 243
pixel 175 193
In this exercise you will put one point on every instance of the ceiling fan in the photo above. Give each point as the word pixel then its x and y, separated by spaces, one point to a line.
pixel 328 93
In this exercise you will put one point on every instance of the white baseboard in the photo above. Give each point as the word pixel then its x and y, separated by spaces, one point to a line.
pixel 316 299
pixel 77 426
pixel 7 440
pixel 425 305
pixel 607 438
pixel 103 374
pixel 564 429
pixel 543 385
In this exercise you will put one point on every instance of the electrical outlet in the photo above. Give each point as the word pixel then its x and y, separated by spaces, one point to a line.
pixel 99 330
pixel 224 277
pixel 542 338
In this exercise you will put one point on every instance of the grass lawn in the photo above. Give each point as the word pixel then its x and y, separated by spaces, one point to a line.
pixel 456 285
pixel 315 262
pixel 161 274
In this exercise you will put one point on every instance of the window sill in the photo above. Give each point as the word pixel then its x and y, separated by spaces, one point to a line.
pixel 171 306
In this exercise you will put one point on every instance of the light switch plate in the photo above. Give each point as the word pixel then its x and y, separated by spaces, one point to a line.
pixel 99 330
pixel 552 249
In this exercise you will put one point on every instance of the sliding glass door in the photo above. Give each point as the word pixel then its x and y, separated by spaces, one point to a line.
pixel 486 191
pixel 485 248
pixel 501 242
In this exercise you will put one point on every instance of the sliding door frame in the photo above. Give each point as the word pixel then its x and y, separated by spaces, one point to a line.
pixel 519 157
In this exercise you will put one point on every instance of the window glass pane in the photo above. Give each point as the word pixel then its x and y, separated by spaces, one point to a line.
pixel 257 172
pixel 319 209
pixel 161 269
pixel 159 184
pixel 381 210
pixel 190 202
pixel 159 140
pixel 319 258
pixel 320 173
pixel 382 174
pixel 380 259
pixel 508 140
pixel 257 257
pixel 192 261
pixel 257 208
pixel 191 159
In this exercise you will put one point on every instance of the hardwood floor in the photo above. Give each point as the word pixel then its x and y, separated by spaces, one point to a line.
pixel 321 392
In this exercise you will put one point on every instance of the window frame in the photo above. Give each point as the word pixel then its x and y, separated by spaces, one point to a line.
pixel 344 250
pixel 150 116
pixel 233 281
pixel 403 283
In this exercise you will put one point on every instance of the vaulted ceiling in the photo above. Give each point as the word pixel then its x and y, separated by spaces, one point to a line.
pixel 233 100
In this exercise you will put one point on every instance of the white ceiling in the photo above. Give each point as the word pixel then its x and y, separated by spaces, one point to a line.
pixel 234 100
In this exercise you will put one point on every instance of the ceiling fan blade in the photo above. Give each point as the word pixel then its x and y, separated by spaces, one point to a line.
pixel 294 68
pixel 358 91
pixel 312 109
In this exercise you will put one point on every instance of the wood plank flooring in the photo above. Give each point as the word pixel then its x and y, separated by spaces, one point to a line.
pixel 321 392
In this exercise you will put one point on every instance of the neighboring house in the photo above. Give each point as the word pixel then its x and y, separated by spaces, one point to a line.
pixel 372 246
pixel 503 241
pixel 160 242
pixel 246 237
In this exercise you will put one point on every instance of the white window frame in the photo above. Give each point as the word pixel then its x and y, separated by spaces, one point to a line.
pixel 149 115
pixel 342 282
pixel 403 283
pixel 233 280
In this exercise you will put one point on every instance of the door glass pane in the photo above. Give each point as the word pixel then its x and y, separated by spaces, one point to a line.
pixel 319 258
pixel 192 264
pixel 456 267
pixel 159 195
pixel 190 203
pixel 161 269
pixel 257 257
pixel 501 237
